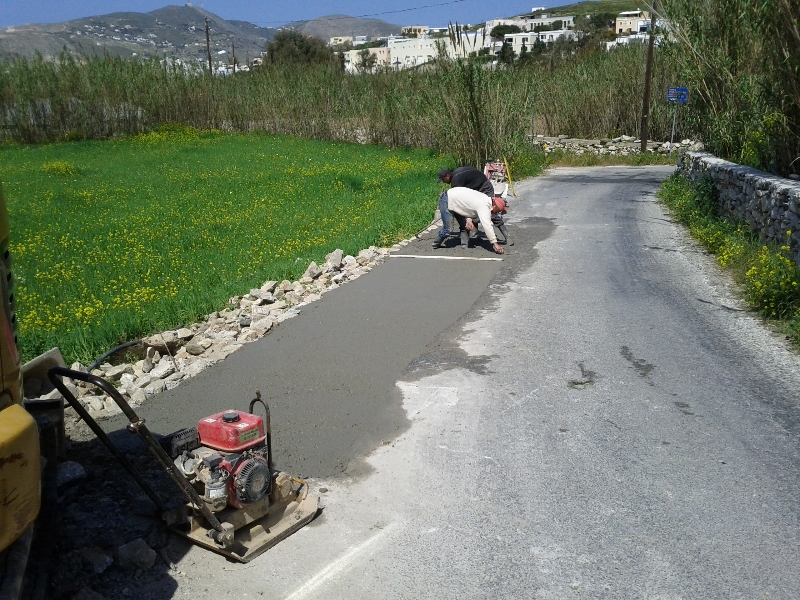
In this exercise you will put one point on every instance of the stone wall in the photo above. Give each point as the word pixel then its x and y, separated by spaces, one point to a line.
pixel 619 146
pixel 769 203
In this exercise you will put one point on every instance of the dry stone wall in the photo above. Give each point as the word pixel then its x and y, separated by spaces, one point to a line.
pixel 769 203
pixel 619 146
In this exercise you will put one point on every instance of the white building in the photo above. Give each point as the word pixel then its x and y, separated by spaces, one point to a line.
pixel 633 21
pixel 467 43
pixel 519 40
pixel 414 30
pixel 530 24
pixel 406 53
pixel 567 22
pixel 352 59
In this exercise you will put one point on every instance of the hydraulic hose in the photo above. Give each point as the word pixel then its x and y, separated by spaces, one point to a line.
pixel 98 361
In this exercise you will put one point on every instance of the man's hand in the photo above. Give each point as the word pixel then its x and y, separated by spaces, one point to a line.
pixel 470 225
pixel 498 249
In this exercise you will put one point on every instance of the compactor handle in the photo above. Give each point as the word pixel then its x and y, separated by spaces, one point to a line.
pixel 267 425
pixel 137 426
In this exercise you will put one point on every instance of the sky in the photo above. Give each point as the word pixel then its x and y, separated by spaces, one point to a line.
pixel 435 13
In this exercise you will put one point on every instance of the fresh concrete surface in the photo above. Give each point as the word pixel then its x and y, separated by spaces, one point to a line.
pixel 603 421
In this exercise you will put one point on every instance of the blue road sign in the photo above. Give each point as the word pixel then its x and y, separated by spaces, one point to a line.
pixel 676 94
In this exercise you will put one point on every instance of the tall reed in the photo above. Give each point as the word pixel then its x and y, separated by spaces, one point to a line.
pixel 741 60
pixel 460 108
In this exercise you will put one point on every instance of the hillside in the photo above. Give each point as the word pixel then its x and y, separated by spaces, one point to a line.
pixel 593 7
pixel 175 31
pixel 342 25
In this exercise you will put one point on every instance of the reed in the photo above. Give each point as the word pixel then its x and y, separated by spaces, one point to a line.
pixel 462 109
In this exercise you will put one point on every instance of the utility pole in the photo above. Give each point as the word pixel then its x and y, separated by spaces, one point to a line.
pixel 233 52
pixel 208 51
pixel 533 113
pixel 648 75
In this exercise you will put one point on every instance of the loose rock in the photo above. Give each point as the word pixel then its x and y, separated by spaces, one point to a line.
pixel 87 593
pixel 334 259
pixel 98 558
pixel 313 271
pixel 194 348
pixel 69 472
pixel 136 555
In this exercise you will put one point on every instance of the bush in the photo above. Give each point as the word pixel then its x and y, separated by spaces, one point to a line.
pixel 772 283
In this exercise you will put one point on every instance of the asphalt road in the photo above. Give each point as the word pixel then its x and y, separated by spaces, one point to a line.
pixel 592 417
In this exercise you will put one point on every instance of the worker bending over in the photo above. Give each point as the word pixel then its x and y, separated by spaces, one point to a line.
pixel 466 205
pixel 472 178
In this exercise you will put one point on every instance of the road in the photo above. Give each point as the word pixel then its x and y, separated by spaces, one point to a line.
pixel 595 416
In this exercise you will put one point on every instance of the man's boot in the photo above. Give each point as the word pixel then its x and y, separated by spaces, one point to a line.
pixel 465 239
pixel 437 243
pixel 504 231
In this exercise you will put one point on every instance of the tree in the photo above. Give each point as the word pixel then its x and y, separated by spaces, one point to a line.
pixel 366 61
pixel 292 47
pixel 507 54
pixel 523 54
pixel 500 31
pixel 538 46
pixel 602 21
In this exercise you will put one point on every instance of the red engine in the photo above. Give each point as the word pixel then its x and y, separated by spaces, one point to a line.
pixel 226 459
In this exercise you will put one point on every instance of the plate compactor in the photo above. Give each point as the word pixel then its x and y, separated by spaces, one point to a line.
pixel 237 503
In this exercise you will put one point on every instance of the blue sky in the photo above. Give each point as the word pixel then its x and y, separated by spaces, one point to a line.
pixel 273 14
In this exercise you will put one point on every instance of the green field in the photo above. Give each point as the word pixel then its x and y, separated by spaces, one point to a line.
pixel 115 239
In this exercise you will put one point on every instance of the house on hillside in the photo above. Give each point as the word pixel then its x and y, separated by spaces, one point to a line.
pixel 632 21
pixel 406 53
pixel 518 41
pixel 532 24
pixel 546 22
pixel 352 60
pixel 414 31
pixel 492 23
pixel 339 40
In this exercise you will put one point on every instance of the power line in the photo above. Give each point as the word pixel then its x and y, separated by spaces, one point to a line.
pixel 380 14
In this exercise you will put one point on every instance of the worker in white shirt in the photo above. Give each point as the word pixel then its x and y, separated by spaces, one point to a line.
pixel 465 205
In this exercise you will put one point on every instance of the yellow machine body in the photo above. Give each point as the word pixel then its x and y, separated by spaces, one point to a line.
pixel 20 473
pixel 20 464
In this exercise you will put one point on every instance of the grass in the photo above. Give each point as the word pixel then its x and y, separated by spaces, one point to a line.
pixel 769 277
pixel 115 239
pixel 593 7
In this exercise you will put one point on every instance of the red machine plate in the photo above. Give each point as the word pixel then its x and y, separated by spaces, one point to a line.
pixel 238 436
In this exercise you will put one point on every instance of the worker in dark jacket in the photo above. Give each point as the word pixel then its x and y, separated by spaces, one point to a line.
pixel 472 178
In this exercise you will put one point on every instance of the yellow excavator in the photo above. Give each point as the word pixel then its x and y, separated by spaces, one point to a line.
pixel 20 459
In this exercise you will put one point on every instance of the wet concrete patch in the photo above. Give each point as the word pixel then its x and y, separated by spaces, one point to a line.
pixel 642 367
pixel 445 352
pixel 329 374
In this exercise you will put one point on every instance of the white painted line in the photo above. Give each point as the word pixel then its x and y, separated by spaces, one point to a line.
pixel 336 567
pixel 440 257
